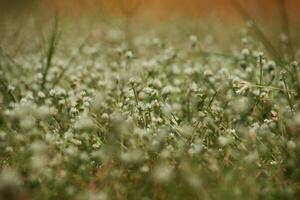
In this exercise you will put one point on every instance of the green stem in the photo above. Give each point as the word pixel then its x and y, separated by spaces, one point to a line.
pixel 288 96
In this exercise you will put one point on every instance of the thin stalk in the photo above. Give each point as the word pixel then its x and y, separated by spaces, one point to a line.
pixel 7 91
pixel 139 109
pixel 53 41
pixel 270 87
pixel 189 106
pixel 288 96
pixel 259 33
pixel 212 99
pixel 70 62
pixel 135 95
pixel 4 84
pixel 260 73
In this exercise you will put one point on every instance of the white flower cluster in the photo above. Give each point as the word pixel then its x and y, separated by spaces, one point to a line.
pixel 155 117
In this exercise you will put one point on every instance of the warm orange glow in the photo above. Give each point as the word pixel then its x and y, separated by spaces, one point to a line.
pixel 267 10
pixel 167 7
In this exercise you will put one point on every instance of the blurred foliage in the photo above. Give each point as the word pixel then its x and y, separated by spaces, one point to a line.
pixel 8 7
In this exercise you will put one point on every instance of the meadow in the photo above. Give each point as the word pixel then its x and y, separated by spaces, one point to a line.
pixel 171 110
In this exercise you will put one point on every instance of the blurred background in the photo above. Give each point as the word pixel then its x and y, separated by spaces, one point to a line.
pixel 153 9
pixel 273 16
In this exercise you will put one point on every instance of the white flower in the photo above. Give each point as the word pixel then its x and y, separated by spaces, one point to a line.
pixel 163 173
pixel 297 118
pixel 27 122
pixel 167 90
pixel 41 95
pixel 144 169
pixel 291 145
pixel 38 162
pixel 74 110
pixel 207 73
pixel 195 149
pixel 84 122
pixel 223 141
pixel 9 177
pixel 132 156
pixel 52 92
pixel 252 157
pixel 128 54
pixel 42 112
pixel 193 38
pixel 245 52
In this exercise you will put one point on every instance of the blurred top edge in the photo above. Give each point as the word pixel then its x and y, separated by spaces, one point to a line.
pixel 154 9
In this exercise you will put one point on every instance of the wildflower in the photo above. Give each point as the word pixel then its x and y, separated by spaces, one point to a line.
pixel 271 65
pixel 38 162
pixel 252 157
pixel 9 177
pixel 27 123
pixel 193 38
pixel 253 131
pixel 241 86
pixel 145 169
pixel 10 184
pixel 297 118
pixel 74 110
pixel 208 73
pixel 41 95
pixel 291 145
pixel 163 173
pixel 245 53
pixel 76 141
pixel 52 92
pixel 132 156
pixel 223 141
pixel 38 147
pixel 167 90
pixel 195 148
pixel 84 122
pixel 283 37
pixel 96 145
pixel 42 112
pixel 128 54
pixel 156 83
pixel 105 116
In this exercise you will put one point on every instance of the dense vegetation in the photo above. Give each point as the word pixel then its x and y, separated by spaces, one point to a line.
pixel 160 113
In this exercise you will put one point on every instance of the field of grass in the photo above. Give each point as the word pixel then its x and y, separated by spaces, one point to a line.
pixel 169 111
